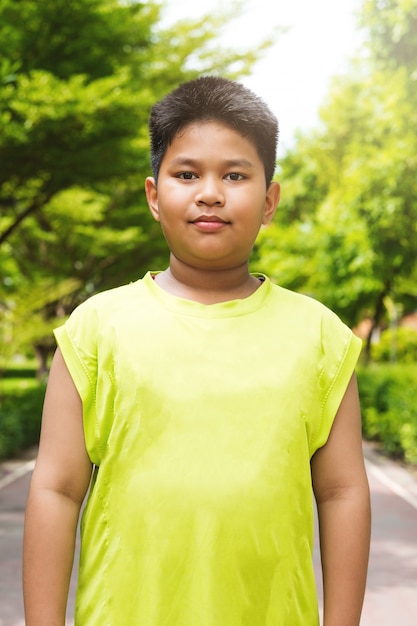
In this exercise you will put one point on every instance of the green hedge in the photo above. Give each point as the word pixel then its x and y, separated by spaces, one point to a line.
pixel 398 345
pixel 20 418
pixel 389 407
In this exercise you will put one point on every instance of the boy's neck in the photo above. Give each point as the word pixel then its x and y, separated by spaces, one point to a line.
pixel 207 286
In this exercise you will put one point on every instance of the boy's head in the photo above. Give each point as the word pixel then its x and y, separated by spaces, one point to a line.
pixel 214 99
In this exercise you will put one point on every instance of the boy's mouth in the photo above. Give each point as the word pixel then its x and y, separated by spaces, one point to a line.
pixel 209 223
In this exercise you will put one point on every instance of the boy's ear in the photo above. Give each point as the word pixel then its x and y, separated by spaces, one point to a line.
pixel 271 202
pixel 152 197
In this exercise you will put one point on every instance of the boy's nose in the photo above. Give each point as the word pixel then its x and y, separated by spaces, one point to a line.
pixel 210 192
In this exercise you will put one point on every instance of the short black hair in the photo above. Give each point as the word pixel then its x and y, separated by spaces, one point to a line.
pixel 212 98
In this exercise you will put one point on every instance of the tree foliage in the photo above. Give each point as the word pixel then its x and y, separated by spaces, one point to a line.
pixel 392 26
pixel 77 80
pixel 350 185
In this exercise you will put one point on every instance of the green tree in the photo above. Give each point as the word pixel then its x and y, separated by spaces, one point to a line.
pixel 392 27
pixel 77 81
pixel 358 242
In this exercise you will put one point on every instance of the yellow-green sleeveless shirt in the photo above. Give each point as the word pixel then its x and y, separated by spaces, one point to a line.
pixel 202 420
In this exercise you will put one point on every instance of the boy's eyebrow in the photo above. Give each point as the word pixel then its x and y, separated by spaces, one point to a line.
pixel 189 162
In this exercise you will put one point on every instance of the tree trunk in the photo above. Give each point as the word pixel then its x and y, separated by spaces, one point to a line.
pixel 376 319
pixel 42 353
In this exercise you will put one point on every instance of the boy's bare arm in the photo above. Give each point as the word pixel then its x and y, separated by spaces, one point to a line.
pixel 342 495
pixel 59 484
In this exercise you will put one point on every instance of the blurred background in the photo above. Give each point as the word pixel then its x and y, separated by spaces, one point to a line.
pixel 77 80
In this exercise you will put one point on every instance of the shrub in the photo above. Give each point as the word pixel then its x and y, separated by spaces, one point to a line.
pixel 20 418
pixel 396 345
pixel 389 407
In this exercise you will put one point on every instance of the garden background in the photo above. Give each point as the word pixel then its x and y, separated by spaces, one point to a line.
pixel 77 81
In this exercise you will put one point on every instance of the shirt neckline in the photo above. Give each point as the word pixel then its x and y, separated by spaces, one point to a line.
pixel 229 308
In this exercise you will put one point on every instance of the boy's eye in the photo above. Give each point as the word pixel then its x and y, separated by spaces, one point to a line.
pixel 186 176
pixel 235 176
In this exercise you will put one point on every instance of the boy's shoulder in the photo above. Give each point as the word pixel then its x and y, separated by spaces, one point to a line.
pixel 297 302
pixel 105 302
pixel 307 317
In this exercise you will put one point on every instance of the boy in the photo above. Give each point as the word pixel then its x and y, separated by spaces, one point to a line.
pixel 209 402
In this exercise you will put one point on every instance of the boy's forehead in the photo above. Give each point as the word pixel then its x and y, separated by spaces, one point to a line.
pixel 207 128
pixel 205 125
pixel 211 141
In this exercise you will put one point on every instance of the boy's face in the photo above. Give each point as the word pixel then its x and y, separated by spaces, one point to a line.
pixel 211 198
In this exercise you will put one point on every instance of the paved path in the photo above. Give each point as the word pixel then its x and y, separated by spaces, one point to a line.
pixel 391 597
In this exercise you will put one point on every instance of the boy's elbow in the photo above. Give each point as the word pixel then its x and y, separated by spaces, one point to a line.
pixel 356 490
pixel 59 488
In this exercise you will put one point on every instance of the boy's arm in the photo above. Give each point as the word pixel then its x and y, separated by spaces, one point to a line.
pixel 59 484
pixel 342 495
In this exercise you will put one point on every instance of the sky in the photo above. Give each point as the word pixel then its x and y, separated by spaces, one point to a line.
pixel 295 74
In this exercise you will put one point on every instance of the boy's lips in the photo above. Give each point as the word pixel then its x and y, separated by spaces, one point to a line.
pixel 209 223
